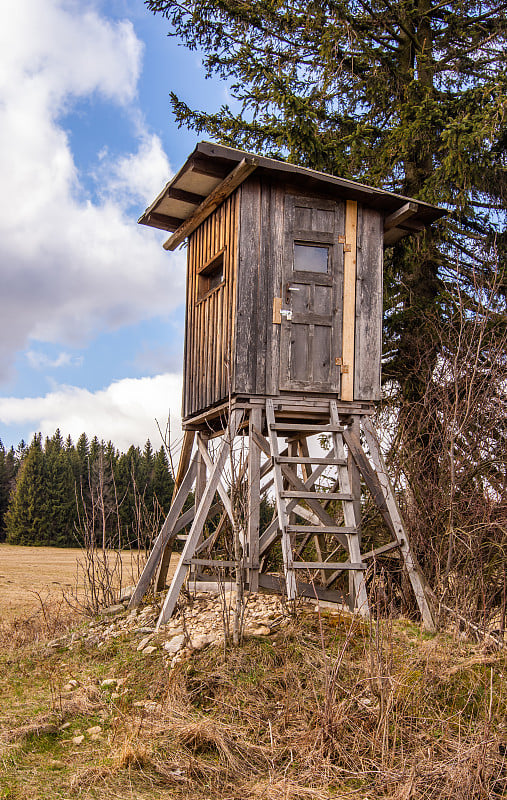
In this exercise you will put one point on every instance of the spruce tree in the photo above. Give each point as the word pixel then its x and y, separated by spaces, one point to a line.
pixel 7 473
pixel 60 486
pixel 27 520
pixel 162 481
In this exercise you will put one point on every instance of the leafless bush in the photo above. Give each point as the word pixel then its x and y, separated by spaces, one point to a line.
pixel 106 542
pixel 448 455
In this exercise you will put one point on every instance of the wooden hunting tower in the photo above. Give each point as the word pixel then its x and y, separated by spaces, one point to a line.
pixel 283 338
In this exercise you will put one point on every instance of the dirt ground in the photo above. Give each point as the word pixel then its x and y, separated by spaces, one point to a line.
pixel 48 571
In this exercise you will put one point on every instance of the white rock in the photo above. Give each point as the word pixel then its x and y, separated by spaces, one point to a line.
pixel 142 644
pixel 94 729
pixel 127 593
pixel 202 640
pixel 175 644
pixel 149 650
pixel 77 739
pixel 261 630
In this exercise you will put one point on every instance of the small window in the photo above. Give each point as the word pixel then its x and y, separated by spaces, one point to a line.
pixel 211 275
pixel 311 258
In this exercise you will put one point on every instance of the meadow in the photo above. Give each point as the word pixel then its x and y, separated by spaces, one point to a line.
pixel 30 576
pixel 327 706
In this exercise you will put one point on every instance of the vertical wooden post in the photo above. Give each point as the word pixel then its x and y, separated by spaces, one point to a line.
pixel 349 301
pixel 254 498
pixel 355 490
pixel 283 519
pixel 200 479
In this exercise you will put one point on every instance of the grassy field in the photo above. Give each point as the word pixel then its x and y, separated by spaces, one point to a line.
pixel 31 574
pixel 328 707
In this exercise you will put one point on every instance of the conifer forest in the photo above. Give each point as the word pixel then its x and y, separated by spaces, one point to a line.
pixel 57 493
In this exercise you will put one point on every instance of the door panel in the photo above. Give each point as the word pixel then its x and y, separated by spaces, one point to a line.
pixel 311 328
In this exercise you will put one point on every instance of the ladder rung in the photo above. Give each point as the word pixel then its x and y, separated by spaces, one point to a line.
pixel 316 529
pixel 332 462
pixel 295 426
pixel 328 565
pixel 316 495
pixel 208 562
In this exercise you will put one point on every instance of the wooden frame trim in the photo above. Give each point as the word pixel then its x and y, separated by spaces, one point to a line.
pixel 349 301
pixel 217 196
pixel 210 262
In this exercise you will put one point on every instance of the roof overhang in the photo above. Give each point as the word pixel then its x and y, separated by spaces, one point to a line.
pixel 212 172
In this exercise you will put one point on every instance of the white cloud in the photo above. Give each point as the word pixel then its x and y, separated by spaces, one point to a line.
pixel 135 177
pixel 124 412
pixel 39 360
pixel 71 266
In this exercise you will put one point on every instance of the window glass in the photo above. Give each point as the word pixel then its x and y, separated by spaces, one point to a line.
pixel 311 258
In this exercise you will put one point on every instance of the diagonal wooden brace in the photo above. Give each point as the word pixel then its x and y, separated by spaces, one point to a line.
pixel 167 530
pixel 397 526
pixel 200 518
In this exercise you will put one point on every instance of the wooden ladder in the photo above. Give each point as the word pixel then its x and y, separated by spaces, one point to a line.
pixel 290 488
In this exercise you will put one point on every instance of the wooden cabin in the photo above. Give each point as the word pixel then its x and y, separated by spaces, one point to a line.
pixel 284 280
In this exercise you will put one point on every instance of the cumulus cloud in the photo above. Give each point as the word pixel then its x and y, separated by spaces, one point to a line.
pixel 135 177
pixel 124 412
pixel 72 266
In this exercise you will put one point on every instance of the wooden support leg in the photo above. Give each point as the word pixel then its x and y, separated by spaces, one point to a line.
pixel 167 531
pixel 200 518
pixel 355 489
pixel 254 499
pixel 185 455
pixel 202 470
pixel 414 573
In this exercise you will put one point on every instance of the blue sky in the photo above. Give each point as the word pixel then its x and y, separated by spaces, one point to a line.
pixel 92 307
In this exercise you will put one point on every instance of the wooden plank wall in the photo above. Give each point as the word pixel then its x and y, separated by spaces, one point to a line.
pixel 261 243
pixel 209 328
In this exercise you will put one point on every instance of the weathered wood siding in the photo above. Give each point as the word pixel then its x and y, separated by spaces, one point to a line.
pixel 210 315
pixel 261 242
pixel 232 343
pixel 369 305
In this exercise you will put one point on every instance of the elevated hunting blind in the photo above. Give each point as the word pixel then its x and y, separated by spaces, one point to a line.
pixel 283 340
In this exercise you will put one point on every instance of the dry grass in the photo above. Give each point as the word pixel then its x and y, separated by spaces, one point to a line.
pixel 330 708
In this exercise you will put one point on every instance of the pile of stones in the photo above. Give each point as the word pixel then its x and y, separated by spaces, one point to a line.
pixel 200 621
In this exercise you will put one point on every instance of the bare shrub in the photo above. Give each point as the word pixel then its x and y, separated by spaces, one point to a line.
pixel 447 453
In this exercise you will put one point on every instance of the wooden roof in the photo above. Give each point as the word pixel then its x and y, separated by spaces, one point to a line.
pixel 212 172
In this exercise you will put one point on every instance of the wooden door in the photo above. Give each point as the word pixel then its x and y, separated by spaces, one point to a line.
pixel 312 288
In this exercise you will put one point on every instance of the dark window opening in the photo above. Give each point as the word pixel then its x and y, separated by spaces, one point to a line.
pixel 311 258
pixel 211 275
